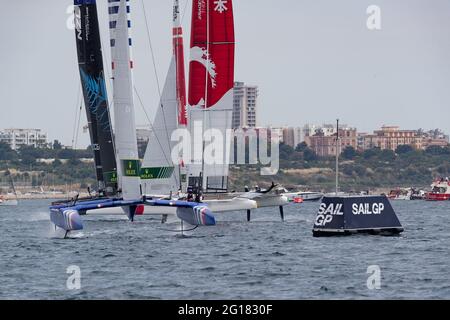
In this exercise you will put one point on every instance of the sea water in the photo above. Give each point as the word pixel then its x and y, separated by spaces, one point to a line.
pixel 263 259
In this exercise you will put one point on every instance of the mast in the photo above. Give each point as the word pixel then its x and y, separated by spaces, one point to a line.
pixel 124 114
pixel 178 51
pixel 337 156
pixel 90 62
pixel 12 182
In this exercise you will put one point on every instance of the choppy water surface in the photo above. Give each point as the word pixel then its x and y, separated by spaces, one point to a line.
pixel 264 259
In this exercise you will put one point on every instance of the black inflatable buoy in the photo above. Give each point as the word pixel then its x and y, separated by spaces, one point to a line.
pixel 346 215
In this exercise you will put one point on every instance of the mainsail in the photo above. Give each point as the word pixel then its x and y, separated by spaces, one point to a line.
pixel 160 175
pixel 90 63
pixel 211 80
pixel 124 115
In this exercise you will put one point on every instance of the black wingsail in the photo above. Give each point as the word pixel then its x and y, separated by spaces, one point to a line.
pixel 90 62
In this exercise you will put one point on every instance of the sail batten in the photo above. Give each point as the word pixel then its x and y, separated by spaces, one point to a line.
pixel 92 76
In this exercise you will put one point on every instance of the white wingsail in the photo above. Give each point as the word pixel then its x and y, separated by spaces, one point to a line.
pixel 124 114
pixel 160 176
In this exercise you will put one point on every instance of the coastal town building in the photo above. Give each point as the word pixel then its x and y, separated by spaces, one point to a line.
pixel 434 138
pixel 16 138
pixel 361 138
pixel 390 137
pixel 324 144
pixel 245 106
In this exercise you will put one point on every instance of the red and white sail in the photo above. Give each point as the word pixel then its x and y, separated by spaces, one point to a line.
pixel 211 80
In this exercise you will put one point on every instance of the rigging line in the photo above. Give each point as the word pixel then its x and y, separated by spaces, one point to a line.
pixel 153 129
pixel 78 126
pixel 76 114
pixel 157 78
pixel 184 11
pixel 206 96
pixel 154 68
pixel 151 48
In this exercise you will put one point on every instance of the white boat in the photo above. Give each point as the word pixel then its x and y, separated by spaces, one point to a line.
pixel 8 202
pixel 440 191
pixel 401 194
pixel 303 196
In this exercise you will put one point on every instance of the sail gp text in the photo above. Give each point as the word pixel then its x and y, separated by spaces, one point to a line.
pixel 225 310
pixel 328 211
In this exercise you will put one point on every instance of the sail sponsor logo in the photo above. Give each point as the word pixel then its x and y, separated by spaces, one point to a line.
pixel 327 212
pixel 77 17
pixel 110 177
pixel 157 173
pixel 367 208
pixel 87 24
pixel 221 6
pixel 176 11
pixel 130 168
pixel 201 6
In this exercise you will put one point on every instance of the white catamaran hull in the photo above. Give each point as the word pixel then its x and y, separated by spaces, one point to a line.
pixel 217 206
pixel 305 196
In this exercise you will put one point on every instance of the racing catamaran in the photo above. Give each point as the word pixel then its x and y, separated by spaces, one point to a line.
pixel 211 81
pixel 157 187
pixel 127 196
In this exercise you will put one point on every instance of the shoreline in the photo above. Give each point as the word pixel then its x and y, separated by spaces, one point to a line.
pixel 48 196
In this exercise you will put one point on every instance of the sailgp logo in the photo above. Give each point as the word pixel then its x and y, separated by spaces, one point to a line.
pixel 202 56
pixel 327 212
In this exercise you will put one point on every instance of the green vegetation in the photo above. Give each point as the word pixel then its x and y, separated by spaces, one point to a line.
pixel 59 166
pixel 371 169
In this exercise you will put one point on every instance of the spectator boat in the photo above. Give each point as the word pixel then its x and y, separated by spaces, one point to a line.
pixel 440 190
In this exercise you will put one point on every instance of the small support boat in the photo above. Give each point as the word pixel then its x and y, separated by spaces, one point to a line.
pixel 440 191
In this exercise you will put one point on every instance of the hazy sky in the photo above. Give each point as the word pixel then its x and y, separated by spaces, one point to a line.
pixel 313 60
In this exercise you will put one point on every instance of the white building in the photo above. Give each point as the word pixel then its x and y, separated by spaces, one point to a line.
pixel 244 106
pixel 16 138
pixel 326 129
pixel 293 136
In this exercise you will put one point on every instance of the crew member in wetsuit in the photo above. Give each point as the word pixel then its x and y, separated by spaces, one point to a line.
pixel 190 195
